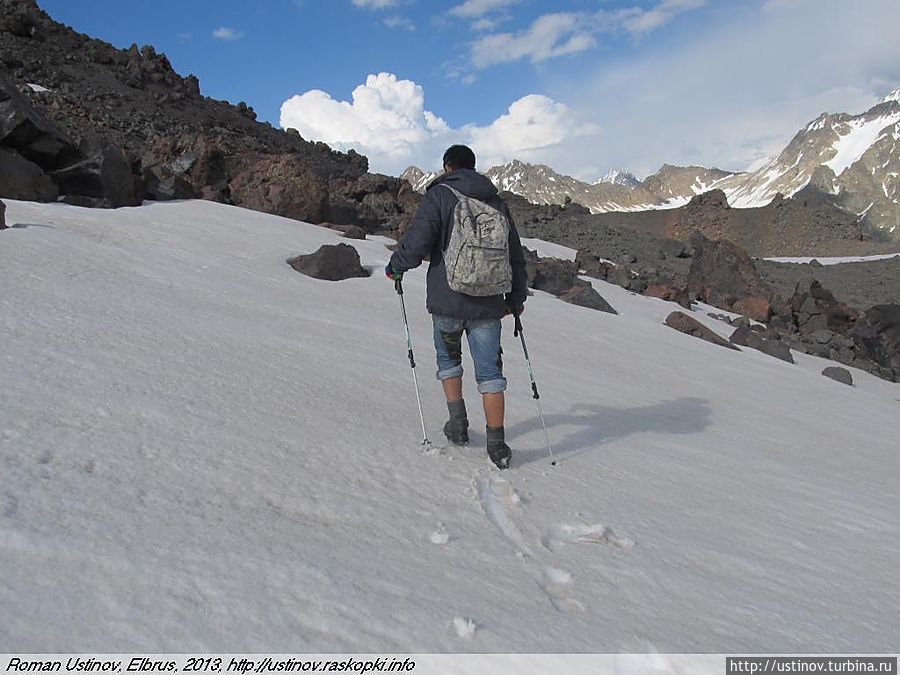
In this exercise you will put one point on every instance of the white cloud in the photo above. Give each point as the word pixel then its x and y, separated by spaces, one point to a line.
pixel 400 22
pixel 561 33
pixel 741 85
pixel 533 125
pixel 473 9
pixel 549 36
pixel 387 121
pixel 484 24
pixel 374 4
pixel 224 33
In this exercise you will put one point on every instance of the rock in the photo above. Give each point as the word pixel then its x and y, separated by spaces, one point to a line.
pixel 331 263
pixel 747 337
pixel 587 296
pixel 756 307
pixel 27 131
pixel 555 276
pixel 349 231
pixel 839 374
pixel 690 326
pixel 283 185
pixel 722 274
pixel 814 308
pixel 2 215
pixel 877 338
pixel 815 263
pixel 104 176
pixel 21 179
pixel 670 292
pixel 741 322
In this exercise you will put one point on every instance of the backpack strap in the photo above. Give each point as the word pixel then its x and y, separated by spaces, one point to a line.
pixel 458 194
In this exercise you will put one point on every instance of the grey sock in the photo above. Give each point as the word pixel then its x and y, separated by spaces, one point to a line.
pixel 457 409
pixel 495 434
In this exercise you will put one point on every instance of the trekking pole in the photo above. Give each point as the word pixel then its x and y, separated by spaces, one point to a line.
pixel 398 286
pixel 536 396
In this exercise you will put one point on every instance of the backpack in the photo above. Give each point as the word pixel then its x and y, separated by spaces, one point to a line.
pixel 477 256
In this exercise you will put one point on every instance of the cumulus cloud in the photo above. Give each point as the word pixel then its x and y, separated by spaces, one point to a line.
pixel 532 125
pixel 225 33
pixel 388 122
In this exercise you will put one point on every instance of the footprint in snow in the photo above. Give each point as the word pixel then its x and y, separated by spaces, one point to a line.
pixel 557 584
pixel 464 628
pixel 440 536
pixel 560 535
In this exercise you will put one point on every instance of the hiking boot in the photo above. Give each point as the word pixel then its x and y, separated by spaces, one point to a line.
pixel 497 449
pixel 456 428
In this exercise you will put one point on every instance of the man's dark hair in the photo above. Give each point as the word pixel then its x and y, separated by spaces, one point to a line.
pixel 459 157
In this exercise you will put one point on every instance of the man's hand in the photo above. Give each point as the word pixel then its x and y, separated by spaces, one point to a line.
pixel 391 274
pixel 514 310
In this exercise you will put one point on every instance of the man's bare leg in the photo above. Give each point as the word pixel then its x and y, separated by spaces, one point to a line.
pixel 453 389
pixel 494 407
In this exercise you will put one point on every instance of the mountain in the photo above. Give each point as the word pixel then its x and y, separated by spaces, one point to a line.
pixel 855 159
pixel 619 177
pixel 197 455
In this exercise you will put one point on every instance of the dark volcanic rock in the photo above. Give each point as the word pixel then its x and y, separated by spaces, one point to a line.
pixel 839 374
pixel 104 176
pixel 331 263
pixel 747 337
pixel 21 179
pixel 27 131
pixel 690 326
pixel 282 184
pixel 877 335
pixel 722 274
pixel 815 308
pixel 669 291
pixel 587 296
pixel 2 216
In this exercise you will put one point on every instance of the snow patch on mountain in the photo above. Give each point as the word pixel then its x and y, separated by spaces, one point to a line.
pixel 859 137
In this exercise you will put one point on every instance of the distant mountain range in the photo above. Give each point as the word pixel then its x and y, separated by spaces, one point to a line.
pixel 855 159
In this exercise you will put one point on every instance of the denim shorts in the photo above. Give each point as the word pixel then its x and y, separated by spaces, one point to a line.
pixel 484 345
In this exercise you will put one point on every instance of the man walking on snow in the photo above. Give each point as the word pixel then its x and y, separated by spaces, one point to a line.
pixel 478 310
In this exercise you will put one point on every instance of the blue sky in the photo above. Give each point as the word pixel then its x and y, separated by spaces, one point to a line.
pixel 582 85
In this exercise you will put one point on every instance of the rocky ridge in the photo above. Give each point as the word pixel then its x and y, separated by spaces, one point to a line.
pixel 104 108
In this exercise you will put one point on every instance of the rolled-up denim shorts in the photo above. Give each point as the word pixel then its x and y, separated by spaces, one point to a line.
pixel 484 345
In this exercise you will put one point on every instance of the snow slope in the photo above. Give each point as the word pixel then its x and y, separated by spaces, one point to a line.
pixel 203 450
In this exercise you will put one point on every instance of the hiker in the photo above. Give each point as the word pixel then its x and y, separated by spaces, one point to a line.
pixel 494 287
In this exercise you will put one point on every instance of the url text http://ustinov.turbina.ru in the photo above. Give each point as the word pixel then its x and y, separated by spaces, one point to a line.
pixel 212 664
pixel 759 665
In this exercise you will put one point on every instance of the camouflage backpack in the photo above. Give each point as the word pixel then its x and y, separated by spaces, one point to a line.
pixel 477 256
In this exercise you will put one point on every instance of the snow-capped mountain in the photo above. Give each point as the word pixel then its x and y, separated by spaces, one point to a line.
pixel 417 178
pixel 855 158
pixel 619 177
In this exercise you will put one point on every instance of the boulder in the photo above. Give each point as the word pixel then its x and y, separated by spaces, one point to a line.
pixel 331 263
pixel 665 290
pixel 839 374
pixel 104 176
pixel 587 296
pixel 283 185
pixel 722 274
pixel 745 336
pixel 877 338
pixel 690 326
pixel 814 309
pixel 21 179
pixel 28 131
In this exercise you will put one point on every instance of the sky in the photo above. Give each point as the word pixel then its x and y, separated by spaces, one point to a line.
pixel 585 86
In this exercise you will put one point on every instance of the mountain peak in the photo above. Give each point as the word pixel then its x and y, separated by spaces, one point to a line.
pixel 893 96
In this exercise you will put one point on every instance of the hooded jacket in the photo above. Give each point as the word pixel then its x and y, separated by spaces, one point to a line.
pixel 429 234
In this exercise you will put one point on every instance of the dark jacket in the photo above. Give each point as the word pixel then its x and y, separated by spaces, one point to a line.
pixel 429 234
